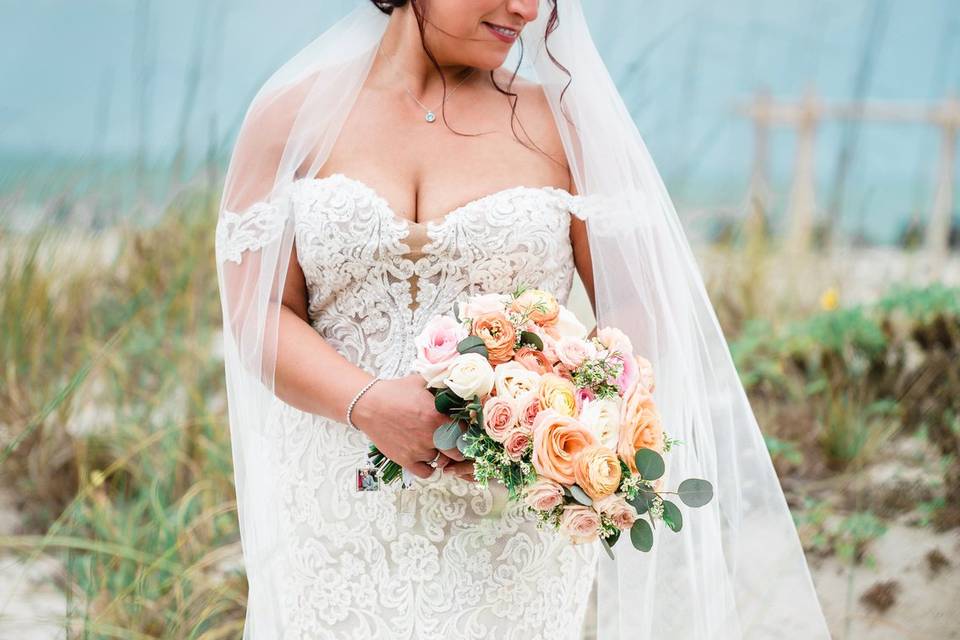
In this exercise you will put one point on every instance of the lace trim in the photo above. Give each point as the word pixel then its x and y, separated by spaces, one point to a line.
pixel 251 230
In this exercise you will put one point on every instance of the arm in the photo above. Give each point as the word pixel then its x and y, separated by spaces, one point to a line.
pixel 581 256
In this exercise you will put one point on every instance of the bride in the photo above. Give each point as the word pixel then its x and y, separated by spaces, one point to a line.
pixel 394 166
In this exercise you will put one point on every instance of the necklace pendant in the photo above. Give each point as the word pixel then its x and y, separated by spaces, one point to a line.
pixel 430 117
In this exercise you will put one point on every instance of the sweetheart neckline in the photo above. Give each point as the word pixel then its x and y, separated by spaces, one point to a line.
pixel 444 219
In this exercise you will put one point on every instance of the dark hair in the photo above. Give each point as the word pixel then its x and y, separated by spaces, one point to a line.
pixel 387 6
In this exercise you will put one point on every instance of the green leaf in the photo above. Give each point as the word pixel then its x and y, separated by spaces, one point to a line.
pixel 472 344
pixel 672 515
pixel 642 502
pixel 580 495
pixel 529 337
pixel 641 535
pixel 608 546
pixel 447 402
pixel 446 435
pixel 695 492
pixel 463 443
pixel 649 463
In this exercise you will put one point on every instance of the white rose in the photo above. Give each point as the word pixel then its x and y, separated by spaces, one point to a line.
pixel 470 374
pixel 512 380
pixel 568 325
pixel 602 417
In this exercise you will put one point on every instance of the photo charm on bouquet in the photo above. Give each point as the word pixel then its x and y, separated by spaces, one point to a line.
pixel 566 422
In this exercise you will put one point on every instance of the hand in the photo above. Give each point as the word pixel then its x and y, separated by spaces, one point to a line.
pixel 399 416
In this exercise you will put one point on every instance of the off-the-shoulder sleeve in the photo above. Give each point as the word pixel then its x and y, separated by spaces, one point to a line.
pixel 257 226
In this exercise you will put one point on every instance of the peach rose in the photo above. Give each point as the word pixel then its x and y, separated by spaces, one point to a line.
pixel 538 305
pixel 499 417
pixel 528 407
pixel 557 439
pixel 498 336
pixel 639 426
pixel 543 495
pixel 557 392
pixel 512 380
pixel 616 507
pixel 645 374
pixel 597 471
pixel 533 359
pixel 581 523
pixel 566 325
pixel 483 304
pixel 516 442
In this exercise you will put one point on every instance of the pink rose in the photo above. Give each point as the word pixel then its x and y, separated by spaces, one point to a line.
pixel 581 523
pixel 516 442
pixel 528 406
pixel 499 417
pixel 437 347
pixel 615 340
pixel 584 394
pixel 533 360
pixel 630 374
pixel 616 507
pixel 573 351
pixel 543 495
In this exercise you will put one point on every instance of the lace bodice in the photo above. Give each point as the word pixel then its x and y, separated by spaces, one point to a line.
pixel 446 558
pixel 368 269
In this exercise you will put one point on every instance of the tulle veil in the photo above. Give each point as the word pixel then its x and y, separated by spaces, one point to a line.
pixel 736 570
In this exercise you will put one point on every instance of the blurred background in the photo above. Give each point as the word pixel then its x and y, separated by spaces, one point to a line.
pixel 810 149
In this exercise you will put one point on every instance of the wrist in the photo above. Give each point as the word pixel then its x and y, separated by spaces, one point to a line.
pixel 357 413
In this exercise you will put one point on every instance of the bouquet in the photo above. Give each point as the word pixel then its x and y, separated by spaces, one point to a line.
pixel 567 423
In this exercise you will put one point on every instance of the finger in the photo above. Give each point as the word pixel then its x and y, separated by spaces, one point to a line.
pixel 460 469
pixel 421 469
pixel 453 454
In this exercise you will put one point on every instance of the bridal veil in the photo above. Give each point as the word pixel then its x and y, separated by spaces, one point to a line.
pixel 736 570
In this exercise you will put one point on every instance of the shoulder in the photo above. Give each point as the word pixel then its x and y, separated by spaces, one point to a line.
pixel 534 112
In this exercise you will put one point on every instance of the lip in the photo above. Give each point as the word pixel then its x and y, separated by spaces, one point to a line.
pixel 501 36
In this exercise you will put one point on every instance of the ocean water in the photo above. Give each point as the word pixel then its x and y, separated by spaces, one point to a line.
pixel 129 98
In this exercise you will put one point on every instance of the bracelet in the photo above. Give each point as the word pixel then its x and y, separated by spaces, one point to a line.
pixel 354 401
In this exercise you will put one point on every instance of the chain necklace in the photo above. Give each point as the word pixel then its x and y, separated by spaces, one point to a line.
pixel 430 116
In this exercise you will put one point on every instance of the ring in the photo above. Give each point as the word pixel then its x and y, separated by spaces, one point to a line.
pixel 433 463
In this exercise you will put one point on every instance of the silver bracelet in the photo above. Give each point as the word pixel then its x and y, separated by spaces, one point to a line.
pixel 354 401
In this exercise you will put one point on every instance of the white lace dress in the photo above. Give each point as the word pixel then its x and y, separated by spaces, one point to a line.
pixel 444 559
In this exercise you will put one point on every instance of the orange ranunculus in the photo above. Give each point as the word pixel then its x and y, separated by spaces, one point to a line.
pixel 557 439
pixel 538 305
pixel 498 336
pixel 533 359
pixel 597 471
pixel 640 426
pixel 558 393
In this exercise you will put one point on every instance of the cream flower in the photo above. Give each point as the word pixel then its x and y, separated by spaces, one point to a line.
pixel 469 375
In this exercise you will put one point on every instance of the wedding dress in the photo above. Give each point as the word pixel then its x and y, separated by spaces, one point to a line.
pixel 444 558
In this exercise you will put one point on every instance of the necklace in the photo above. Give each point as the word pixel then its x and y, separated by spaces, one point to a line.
pixel 430 116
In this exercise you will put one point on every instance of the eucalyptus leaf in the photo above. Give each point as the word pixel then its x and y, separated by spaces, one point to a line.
pixel 472 344
pixel 446 435
pixel 672 515
pixel 695 492
pixel 641 535
pixel 529 337
pixel 448 403
pixel 642 502
pixel 566 491
pixel 649 464
pixel 463 443
pixel 580 495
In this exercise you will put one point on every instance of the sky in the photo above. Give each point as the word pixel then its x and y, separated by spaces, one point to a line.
pixel 103 79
